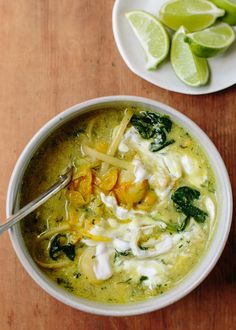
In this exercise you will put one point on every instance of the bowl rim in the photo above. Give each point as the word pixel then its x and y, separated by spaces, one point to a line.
pixel 194 278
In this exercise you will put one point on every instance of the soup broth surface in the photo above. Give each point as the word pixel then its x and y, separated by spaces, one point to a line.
pixel 138 215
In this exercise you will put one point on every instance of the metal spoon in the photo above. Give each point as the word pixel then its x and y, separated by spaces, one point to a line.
pixel 63 181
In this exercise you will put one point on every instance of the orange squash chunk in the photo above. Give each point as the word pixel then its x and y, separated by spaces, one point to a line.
pixel 129 193
pixel 81 186
pixel 148 202
pixel 108 181
pixel 76 198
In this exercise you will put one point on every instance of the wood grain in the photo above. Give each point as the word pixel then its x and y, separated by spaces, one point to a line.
pixel 55 54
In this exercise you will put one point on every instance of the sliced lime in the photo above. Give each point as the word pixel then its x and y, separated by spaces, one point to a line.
pixel 152 36
pixel 192 70
pixel 195 15
pixel 212 41
pixel 230 7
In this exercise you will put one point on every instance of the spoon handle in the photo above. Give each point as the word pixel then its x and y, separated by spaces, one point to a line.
pixel 27 209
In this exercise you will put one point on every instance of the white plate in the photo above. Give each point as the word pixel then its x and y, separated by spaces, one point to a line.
pixel 223 68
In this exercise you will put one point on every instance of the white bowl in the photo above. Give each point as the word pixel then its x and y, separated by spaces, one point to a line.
pixel 198 273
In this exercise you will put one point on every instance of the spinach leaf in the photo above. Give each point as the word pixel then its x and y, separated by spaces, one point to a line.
pixel 121 253
pixel 184 224
pixel 143 278
pixel 156 120
pixel 159 137
pixel 143 247
pixel 184 195
pixel 57 247
pixel 143 126
pixel 183 198
pixel 194 212
pixel 155 146
pixel 69 251
pixel 155 126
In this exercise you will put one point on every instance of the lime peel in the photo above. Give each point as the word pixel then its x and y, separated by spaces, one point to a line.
pixel 152 36
pixel 230 8
pixel 195 15
pixel 189 68
pixel 212 41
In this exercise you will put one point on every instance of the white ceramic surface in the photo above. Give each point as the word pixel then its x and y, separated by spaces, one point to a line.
pixel 199 272
pixel 223 68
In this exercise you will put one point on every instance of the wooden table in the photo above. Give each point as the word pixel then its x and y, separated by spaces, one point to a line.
pixel 58 53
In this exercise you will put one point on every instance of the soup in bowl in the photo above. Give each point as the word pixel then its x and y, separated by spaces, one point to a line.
pixel 138 226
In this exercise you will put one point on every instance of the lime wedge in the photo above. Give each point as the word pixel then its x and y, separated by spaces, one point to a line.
pixel 189 68
pixel 152 36
pixel 212 41
pixel 230 7
pixel 195 15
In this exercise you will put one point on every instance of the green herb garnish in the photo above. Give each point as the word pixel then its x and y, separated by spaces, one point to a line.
pixel 76 275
